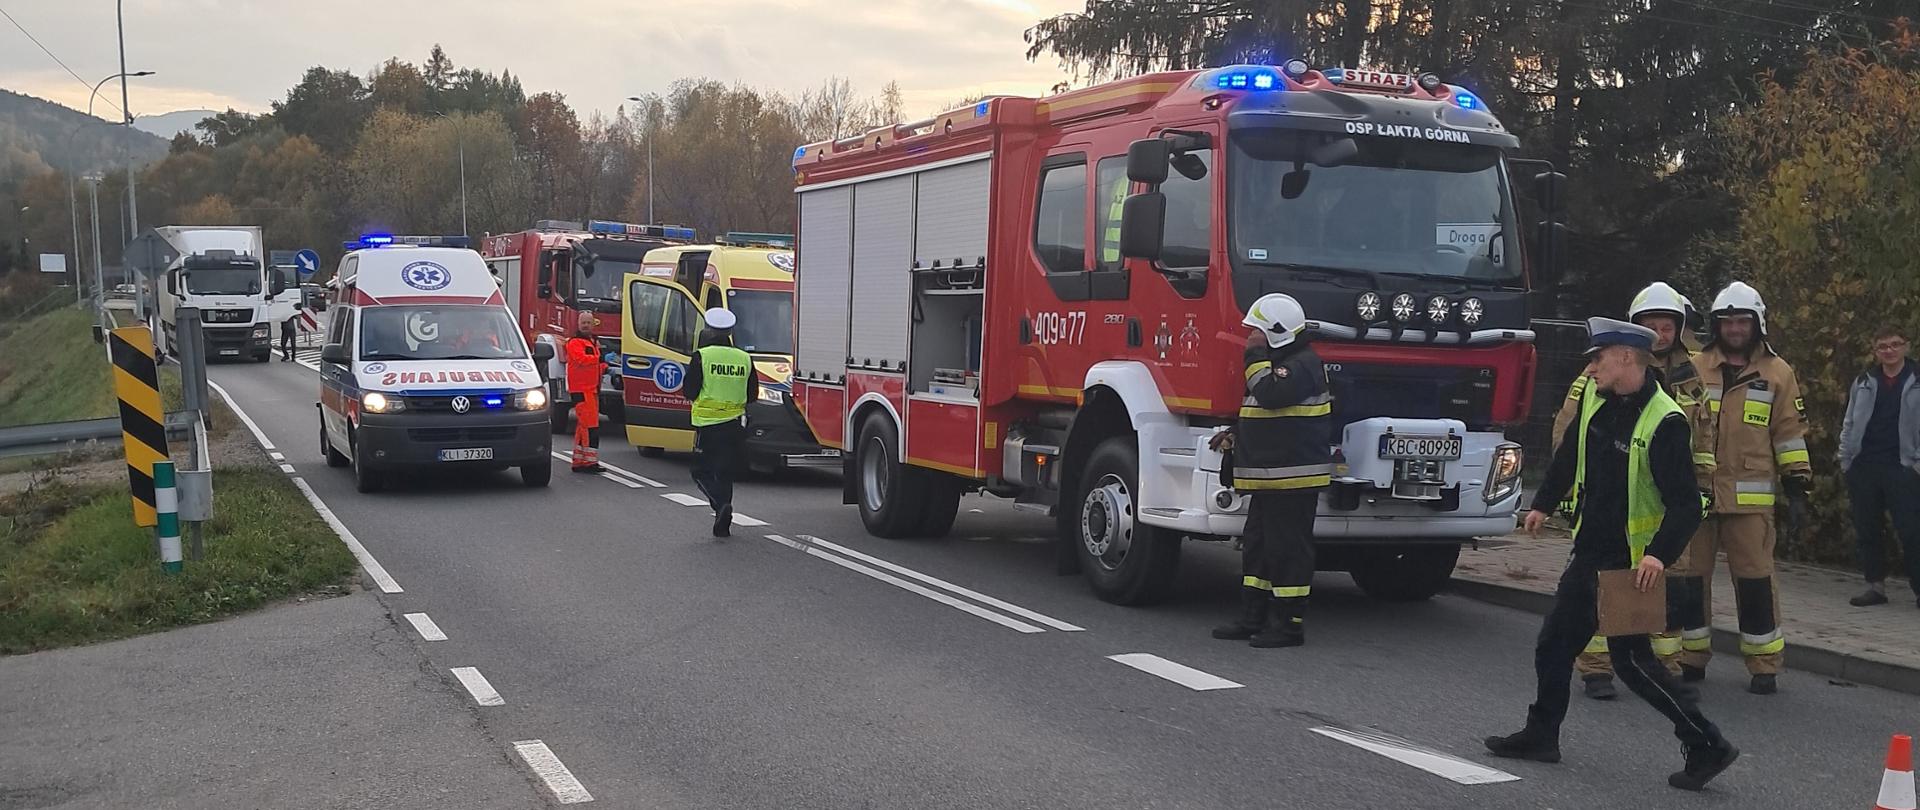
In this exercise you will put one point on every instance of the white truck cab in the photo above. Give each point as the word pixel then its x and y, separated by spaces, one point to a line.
pixel 424 367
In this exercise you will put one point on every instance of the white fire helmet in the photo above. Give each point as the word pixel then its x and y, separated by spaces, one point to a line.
pixel 1278 315
pixel 1659 298
pixel 1738 298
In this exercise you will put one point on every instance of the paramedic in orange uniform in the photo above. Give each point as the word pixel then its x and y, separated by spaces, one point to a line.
pixel 584 367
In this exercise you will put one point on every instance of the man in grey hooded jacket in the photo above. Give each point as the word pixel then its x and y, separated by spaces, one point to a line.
pixel 1880 454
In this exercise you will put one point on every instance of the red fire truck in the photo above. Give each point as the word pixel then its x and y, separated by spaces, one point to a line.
pixel 1042 298
pixel 558 271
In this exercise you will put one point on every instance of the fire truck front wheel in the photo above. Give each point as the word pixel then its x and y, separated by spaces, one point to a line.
pixel 1405 573
pixel 892 496
pixel 1127 562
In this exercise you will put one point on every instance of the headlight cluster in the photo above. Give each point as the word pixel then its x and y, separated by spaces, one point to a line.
pixel 1404 309
pixel 376 402
pixel 260 331
pixel 1504 478
pixel 532 399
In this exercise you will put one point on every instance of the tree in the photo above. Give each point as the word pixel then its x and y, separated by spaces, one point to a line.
pixel 1826 175
pixel 329 106
pixel 227 128
pixel 550 136
pixel 213 210
pixel 439 72
pixel 397 85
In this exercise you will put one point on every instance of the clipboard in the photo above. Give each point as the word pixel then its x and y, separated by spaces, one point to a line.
pixel 1625 611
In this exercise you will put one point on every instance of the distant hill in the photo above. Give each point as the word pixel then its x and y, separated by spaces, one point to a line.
pixel 167 125
pixel 37 135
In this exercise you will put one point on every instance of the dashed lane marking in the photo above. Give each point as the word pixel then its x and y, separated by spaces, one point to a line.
pixel 427 629
pixel 683 499
pixel 635 476
pixel 483 693
pixel 949 601
pixel 552 772
pixel 1178 673
pixel 1447 766
pixel 749 522
pixel 360 552
pixel 941 583
pixel 287 468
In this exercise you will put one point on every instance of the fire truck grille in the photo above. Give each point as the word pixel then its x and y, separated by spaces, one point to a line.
pixel 1364 391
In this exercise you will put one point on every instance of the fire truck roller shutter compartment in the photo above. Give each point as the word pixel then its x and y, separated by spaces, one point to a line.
pixel 823 277
pixel 950 247
pixel 882 274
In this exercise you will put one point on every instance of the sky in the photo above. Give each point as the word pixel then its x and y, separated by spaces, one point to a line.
pixel 215 54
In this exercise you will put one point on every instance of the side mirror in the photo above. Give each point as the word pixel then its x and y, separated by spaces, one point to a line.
pixel 1143 224
pixel 1550 188
pixel 335 354
pixel 1550 251
pixel 543 352
pixel 173 283
pixel 1147 161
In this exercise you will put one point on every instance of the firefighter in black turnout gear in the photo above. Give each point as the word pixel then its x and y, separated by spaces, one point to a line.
pixel 1280 455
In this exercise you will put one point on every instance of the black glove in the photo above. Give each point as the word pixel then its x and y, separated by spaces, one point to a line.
pixel 1798 486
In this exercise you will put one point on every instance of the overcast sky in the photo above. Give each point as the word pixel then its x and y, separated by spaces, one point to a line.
pixel 246 53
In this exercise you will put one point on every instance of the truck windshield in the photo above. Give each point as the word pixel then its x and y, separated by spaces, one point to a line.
pixel 222 279
pixel 1384 206
pixel 597 284
pixel 765 320
pixel 441 332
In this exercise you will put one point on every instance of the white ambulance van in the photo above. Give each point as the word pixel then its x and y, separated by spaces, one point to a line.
pixel 424 368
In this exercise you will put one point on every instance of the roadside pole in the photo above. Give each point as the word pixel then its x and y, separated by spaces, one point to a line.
pixel 166 502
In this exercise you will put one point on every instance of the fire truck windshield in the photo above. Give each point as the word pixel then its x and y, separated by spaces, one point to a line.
pixel 439 332
pixel 597 284
pixel 765 320
pixel 1382 205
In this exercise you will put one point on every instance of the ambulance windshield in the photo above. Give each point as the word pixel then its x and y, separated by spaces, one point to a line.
pixel 439 332
pixel 765 320
pixel 1381 205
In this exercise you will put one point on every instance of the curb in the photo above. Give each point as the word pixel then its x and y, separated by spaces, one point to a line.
pixel 1852 667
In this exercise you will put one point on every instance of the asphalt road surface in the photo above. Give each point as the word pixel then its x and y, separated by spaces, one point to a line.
pixel 829 669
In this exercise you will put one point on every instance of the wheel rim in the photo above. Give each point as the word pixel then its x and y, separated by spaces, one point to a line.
pixel 1106 522
pixel 873 474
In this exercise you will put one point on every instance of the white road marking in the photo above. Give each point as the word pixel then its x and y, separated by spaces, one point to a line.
pixel 277 456
pixel 360 552
pixel 287 468
pixel 1178 673
pixel 683 499
pixel 743 520
pixel 314 367
pixel 428 630
pixel 967 607
pixel 635 476
pixel 478 687
pixel 258 434
pixel 552 772
pixel 941 583
pixel 1403 751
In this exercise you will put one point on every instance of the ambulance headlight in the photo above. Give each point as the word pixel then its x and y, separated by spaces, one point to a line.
pixel 1505 475
pixel 376 402
pixel 532 399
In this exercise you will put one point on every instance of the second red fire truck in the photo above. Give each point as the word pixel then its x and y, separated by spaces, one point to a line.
pixel 1042 298
pixel 558 272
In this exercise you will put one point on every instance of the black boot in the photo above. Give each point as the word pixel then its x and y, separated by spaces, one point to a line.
pixel 1703 764
pixel 1285 625
pixel 1253 609
pixel 1692 674
pixel 1533 742
pixel 723 522
pixel 1763 685
pixel 1598 687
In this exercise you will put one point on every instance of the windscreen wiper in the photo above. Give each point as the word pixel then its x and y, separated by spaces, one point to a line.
pixel 1328 272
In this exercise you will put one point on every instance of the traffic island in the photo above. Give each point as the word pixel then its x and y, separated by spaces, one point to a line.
pixel 1877 646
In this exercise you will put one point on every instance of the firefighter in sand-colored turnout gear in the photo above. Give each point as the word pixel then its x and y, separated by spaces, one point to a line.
pixel 1627 462
pixel 720 382
pixel 1756 432
pixel 584 367
pixel 1662 309
pixel 1279 454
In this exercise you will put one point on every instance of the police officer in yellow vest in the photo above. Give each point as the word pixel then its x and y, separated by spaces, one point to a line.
pixel 1664 310
pixel 1628 461
pixel 1281 456
pixel 1757 434
pixel 721 382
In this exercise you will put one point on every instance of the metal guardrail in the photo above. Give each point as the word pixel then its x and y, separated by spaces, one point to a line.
pixel 60 437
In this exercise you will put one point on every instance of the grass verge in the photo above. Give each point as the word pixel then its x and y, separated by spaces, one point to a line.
pixel 74 569
pixel 52 371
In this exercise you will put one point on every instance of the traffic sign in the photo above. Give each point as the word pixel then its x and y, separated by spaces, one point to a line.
pixel 307 262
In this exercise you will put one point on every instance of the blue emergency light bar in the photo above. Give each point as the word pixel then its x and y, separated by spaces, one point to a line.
pixel 778 240
pixel 380 240
pixel 629 229
pixel 1248 78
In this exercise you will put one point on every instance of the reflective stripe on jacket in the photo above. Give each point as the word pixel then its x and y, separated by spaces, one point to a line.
pixel 1755 429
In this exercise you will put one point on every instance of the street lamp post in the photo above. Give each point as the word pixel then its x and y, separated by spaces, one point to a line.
pixel 651 131
pixel 126 115
pixel 99 269
pixel 460 136
pixel 73 208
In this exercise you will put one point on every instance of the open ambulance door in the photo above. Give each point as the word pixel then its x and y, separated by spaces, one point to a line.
pixel 659 324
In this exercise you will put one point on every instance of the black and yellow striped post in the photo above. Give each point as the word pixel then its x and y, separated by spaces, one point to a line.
pixel 136 380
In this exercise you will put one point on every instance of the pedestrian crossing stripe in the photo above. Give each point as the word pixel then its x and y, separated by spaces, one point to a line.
pixel 136 382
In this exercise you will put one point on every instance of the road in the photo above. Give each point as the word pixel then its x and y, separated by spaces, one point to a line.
pixel 666 668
